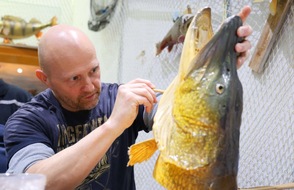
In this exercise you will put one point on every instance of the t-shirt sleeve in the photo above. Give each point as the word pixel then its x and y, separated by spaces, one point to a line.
pixel 29 126
pixel 27 156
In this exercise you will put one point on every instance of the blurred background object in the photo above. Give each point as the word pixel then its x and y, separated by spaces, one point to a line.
pixel 3 159
pixel 11 98
pixel 13 27
pixel 101 13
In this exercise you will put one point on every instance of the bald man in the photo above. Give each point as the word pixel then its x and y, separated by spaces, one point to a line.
pixel 77 132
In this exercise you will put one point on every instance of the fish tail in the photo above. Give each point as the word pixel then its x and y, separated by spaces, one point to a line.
pixel 158 48
pixel 141 151
pixel 53 21
pixel 167 41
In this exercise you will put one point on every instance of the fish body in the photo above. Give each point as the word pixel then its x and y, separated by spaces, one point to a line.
pixel 178 31
pixel 197 124
pixel 176 34
pixel 12 27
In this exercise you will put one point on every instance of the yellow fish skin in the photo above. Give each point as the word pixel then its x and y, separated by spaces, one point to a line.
pixel 12 27
pixel 197 124
pixel 198 34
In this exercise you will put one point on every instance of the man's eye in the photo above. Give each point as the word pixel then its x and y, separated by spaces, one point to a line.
pixel 75 78
pixel 95 69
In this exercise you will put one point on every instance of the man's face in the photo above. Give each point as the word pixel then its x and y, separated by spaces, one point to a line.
pixel 76 85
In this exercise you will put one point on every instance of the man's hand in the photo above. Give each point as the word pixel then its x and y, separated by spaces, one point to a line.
pixel 129 97
pixel 243 31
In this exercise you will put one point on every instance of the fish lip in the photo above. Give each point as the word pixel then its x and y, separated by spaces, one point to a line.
pixel 214 55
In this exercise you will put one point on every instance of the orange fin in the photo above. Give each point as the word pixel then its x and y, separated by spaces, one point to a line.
pixel 38 35
pixel 7 41
pixel 141 151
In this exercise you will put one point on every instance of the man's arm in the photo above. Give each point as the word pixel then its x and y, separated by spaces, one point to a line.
pixel 69 167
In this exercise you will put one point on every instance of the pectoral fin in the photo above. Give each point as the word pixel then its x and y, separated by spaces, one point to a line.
pixel 38 35
pixel 141 151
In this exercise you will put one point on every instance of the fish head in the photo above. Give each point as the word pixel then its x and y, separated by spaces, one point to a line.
pixel 208 102
pixel 211 77
pixel 224 92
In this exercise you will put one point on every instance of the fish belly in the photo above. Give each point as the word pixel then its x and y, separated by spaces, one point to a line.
pixel 173 177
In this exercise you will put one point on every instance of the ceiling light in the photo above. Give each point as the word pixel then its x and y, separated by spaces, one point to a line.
pixel 19 70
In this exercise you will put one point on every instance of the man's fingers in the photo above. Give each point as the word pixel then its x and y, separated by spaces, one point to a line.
pixel 244 31
pixel 139 80
pixel 242 47
pixel 145 92
pixel 242 58
pixel 244 13
pixel 141 92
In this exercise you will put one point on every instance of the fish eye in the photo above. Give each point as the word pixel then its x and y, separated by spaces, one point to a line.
pixel 219 88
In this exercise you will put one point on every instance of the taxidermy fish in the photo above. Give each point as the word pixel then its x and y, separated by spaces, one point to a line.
pixel 12 27
pixel 197 124
pixel 178 31
pixel 101 13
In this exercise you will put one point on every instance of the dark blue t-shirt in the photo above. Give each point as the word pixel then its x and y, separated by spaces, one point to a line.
pixel 3 159
pixel 44 121
pixel 11 98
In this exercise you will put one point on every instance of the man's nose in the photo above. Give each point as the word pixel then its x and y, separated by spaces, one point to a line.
pixel 88 85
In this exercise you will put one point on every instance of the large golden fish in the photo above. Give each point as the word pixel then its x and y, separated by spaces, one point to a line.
pixel 197 124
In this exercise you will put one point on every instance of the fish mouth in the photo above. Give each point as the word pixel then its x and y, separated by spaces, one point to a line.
pixel 219 54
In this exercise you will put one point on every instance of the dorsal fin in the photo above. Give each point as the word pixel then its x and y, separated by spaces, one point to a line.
pixel 12 18
pixel 35 21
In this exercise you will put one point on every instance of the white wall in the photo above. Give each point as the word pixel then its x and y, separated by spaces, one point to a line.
pixel 107 46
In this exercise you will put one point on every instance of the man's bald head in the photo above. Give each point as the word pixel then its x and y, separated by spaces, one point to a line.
pixel 62 42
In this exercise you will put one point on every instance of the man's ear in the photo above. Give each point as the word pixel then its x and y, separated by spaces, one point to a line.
pixel 41 76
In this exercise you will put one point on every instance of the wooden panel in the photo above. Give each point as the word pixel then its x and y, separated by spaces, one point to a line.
pixel 268 36
pixel 26 55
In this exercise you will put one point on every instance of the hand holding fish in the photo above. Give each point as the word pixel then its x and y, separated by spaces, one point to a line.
pixel 243 31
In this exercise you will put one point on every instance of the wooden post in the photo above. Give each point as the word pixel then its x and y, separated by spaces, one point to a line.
pixel 269 34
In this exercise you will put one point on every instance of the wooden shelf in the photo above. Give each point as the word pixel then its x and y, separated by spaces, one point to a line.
pixel 19 54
